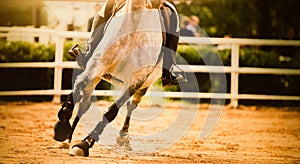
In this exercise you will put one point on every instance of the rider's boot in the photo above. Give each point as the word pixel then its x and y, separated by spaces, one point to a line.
pixel 74 51
pixel 169 78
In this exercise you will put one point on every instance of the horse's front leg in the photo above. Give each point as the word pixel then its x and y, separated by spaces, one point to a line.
pixel 74 124
pixel 62 128
pixel 123 138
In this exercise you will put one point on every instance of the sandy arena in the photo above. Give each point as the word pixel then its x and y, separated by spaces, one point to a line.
pixel 243 135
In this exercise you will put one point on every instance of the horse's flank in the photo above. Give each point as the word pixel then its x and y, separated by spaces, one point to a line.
pixel 131 45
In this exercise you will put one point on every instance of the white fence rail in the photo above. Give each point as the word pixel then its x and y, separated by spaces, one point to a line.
pixel 45 36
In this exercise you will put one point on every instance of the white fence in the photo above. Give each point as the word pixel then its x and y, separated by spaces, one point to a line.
pixel 46 36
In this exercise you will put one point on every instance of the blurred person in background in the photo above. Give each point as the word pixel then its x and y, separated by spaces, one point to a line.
pixel 184 31
pixel 193 25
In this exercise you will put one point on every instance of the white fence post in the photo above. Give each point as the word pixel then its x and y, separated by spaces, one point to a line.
pixel 234 87
pixel 59 48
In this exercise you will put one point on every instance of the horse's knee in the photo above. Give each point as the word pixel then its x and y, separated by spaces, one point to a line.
pixel 83 88
pixel 79 86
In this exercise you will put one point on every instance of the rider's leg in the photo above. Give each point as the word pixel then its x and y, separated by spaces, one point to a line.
pixel 171 43
pixel 168 77
pixel 98 26
pixel 94 40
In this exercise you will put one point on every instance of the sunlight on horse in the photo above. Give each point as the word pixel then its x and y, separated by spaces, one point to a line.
pixel 130 51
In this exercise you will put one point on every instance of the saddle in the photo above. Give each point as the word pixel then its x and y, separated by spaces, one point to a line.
pixel 111 8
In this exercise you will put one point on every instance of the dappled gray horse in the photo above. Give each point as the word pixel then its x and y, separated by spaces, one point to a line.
pixel 130 52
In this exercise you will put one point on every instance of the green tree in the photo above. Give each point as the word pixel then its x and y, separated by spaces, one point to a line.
pixel 22 13
pixel 285 19
pixel 246 18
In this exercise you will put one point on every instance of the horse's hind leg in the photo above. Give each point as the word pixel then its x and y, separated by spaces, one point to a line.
pixel 82 148
pixel 123 138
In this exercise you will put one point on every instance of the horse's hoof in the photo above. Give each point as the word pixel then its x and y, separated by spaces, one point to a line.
pixel 76 151
pixel 63 145
pixel 60 145
pixel 128 147
pixel 62 130
pixel 123 141
pixel 80 149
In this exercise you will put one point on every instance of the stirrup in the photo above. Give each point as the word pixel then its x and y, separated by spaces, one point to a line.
pixel 172 78
pixel 79 49
pixel 180 77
